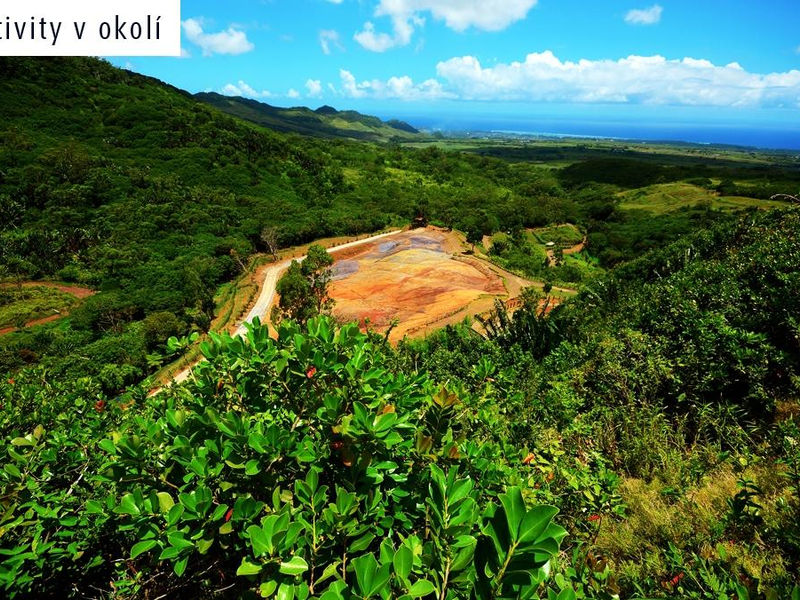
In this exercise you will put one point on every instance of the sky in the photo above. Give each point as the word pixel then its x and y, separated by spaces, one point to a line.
pixel 681 61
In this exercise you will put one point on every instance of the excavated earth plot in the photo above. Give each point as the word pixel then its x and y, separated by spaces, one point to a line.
pixel 420 278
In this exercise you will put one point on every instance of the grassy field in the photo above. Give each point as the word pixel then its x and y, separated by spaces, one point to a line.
pixel 668 197
pixel 19 306
pixel 561 235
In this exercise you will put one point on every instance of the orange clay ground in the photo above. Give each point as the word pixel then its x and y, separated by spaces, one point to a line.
pixel 421 278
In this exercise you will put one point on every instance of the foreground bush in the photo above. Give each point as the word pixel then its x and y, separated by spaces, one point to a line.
pixel 290 469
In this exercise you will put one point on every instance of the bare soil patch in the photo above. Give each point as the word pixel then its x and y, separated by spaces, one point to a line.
pixel 420 278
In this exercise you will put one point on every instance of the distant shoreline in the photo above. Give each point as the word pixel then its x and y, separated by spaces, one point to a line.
pixel 511 134
pixel 743 136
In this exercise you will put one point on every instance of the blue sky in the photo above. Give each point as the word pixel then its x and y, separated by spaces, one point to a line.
pixel 674 60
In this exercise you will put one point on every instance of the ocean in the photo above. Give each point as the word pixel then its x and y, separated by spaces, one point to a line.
pixel 772 135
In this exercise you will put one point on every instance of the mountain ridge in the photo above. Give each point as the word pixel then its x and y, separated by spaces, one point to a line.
pixel 324 122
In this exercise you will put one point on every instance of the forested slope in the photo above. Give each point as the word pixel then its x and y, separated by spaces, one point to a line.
pixel 325 122
pixel 121 183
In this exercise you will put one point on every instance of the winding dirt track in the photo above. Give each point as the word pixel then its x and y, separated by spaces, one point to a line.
pixel 271 275
pixel 261 308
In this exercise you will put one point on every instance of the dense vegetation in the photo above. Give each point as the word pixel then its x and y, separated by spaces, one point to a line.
pixel 300 467
pixel 116 181
pixel 672 387
pixel 640 440
pixel 327 464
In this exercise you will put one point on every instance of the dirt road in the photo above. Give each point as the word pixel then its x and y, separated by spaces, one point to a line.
pixel 265 299
pixel 576 249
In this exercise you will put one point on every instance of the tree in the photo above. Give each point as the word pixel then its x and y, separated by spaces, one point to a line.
pixel 158 327
pixel 303 289
pixel 449 217
pixel 474 235
pixel 269 237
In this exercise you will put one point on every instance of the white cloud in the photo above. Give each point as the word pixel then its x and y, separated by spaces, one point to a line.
pixel 399 88
pixel 543 77
pixel 293 93
pixel 459 15
pixel 229 41
pixel 381 42
pixel 350 87
pixel 328 38
pixel 242 89
pixel 314 88
pixel 635 79
pixel 185 53
pixel 644 16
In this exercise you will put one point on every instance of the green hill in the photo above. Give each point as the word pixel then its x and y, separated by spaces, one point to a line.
pixel 640 440
pixel 325 122
pixel 122 183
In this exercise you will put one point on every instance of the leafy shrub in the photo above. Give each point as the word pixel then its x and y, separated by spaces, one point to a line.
pixel 298 468
pixel 158 327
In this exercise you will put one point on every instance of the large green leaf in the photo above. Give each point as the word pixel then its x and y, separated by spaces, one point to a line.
pixel 180 566
pixel 535 522
pixel 285 592
pixel 258 540
pixel 337 591
pixel 421 588
pixel 179 541
pixel 128 506
pixel 142 547
pixel 514 509
pixel 295 566
pixel 464 552
pixel 403 562
pixel 366 568
pixel 165 502
pixel 249 567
